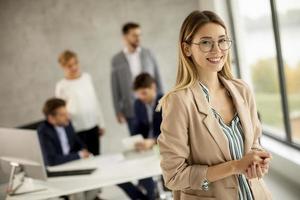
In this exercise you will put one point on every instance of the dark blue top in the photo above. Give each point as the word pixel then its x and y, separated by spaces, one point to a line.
pixel 142 124
pixel 51 147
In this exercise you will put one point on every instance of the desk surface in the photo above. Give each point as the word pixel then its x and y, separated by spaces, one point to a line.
pixel 111 169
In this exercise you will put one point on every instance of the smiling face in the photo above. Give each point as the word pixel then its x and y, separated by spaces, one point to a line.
pixel 205 58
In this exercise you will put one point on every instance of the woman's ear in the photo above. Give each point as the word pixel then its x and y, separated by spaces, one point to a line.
pixel 186 49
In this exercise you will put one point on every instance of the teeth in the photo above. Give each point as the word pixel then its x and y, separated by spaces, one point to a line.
pixel 214 59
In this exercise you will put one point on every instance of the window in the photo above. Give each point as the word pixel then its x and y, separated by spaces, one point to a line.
pixel 259 62
pixel 289 24
pixel 268 45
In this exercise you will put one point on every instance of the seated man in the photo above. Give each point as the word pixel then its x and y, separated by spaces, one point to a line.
pixel 58 140
pixel 147 120
pixel 60 143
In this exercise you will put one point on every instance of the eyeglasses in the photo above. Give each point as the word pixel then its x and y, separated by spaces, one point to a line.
pixel 206 45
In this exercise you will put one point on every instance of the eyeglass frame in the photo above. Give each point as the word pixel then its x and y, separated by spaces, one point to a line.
pixel 227 39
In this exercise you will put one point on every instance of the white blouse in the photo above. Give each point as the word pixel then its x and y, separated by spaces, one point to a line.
pixel 82 102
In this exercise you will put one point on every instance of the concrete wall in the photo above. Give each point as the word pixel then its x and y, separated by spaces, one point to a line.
pixel 34 32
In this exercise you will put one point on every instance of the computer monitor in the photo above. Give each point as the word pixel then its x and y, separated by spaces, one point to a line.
pixel 22 147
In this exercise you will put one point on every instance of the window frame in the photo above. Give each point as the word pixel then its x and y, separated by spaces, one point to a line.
pixel 288 140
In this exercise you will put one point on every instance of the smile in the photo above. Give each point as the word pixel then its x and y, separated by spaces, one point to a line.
pixel 214 60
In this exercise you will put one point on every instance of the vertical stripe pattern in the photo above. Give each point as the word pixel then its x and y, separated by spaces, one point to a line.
pixel 234 133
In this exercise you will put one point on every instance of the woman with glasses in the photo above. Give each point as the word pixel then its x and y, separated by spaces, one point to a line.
pixel 209 134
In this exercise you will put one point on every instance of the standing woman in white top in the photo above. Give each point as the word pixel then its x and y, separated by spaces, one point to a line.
pixel 77 89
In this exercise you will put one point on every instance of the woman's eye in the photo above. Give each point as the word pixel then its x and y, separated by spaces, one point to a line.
pixel 206 42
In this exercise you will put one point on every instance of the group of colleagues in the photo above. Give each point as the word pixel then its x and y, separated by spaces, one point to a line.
pixel 74 120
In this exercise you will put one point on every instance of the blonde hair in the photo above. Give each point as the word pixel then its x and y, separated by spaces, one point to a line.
pixel 65 56
pixel 187 74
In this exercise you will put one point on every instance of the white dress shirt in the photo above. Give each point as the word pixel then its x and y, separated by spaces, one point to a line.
pixel 82 102
pixel 64 142
pixel 134 61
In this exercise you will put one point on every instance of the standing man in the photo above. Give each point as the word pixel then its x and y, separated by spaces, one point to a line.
pixel 126 65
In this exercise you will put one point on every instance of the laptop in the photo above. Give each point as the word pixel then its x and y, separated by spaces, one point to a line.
pixel 74 172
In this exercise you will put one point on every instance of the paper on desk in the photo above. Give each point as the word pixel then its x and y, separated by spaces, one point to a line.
pixel 129 142
pixel 93 162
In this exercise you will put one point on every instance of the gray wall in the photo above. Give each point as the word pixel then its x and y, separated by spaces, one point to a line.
pixel 34 32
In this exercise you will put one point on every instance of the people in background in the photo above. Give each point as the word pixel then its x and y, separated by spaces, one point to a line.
pixel 209 133
pixel 147 120
pixel 60 143
pixel 58 140
pixel 77 89
pixel 126 65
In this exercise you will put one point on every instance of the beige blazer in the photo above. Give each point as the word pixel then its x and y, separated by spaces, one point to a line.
pixel 191 140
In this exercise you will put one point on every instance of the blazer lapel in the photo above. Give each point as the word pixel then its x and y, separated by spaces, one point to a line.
pixel 54 136
pixel 70 136
pixel 210 122
pixel 243 113
pixel 126 65
pixel 143 60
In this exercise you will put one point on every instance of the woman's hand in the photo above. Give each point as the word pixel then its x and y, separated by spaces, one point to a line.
pixel 101 132
pixel 258 170
pixel 251 158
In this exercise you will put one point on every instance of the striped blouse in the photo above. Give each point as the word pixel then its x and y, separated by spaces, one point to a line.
pixel 234 133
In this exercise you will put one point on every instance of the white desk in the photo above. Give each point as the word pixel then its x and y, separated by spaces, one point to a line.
pixel 111 170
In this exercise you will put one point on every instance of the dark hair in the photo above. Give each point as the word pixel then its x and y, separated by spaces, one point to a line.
pixel 144 80
pixel 129 25
pixel 52 105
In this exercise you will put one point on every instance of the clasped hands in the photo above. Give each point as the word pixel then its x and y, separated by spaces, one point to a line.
pixel 254 164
